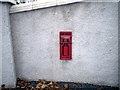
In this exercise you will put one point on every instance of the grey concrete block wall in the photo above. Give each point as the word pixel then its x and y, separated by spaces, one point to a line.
pixel 95 43
pixel 7 63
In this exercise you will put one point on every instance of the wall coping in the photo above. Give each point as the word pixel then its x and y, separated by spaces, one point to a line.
pixel 40 4
pixel 48 3
pixel 10 1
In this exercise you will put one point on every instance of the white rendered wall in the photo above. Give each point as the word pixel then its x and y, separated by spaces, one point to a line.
pixel 95 43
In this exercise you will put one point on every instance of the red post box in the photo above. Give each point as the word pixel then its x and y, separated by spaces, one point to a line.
pixel 66 45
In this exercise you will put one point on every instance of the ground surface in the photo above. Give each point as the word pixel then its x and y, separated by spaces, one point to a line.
pixel 51 85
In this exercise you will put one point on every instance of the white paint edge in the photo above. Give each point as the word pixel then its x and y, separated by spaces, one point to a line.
pixel 40 4
pixel 48 3
pixel 11 1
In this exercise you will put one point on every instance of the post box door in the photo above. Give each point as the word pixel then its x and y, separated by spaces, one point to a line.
pixel 65 45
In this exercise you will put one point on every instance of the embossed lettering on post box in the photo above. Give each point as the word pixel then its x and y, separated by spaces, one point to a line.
pixel 66 45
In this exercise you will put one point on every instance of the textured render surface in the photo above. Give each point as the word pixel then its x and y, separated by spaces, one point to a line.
pixel 119 43
pixel 0 43
pixel 8 73
pixel 95 43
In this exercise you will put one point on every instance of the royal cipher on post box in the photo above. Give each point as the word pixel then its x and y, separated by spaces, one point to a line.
pixel 65 45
